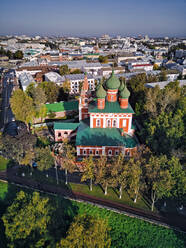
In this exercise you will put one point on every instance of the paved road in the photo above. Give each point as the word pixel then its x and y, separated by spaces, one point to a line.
pixel 176 222
pixel 7 120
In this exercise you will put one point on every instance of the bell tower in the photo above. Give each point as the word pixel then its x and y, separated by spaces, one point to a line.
pixel 84 100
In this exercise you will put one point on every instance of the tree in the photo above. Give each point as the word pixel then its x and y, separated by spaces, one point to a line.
pixel 44 158
pixel 103 59
pixel 26 221
pixel 135 179
pixel 119 173
pixel 168 130
pixel 18 54
pixel 87 232
pixel 103 173
pixel 155 67
pixel 68 159
pixel 22 106
pixel 64 70
pixel 19 148
pixel 66 86
pixel 163 76
pixel 88 170
pixel 51 91
pixel 178 174
pixel 159 179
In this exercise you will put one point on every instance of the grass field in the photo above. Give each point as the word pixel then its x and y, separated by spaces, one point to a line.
pixel 113 195
pixel 125 231
pixel 3 163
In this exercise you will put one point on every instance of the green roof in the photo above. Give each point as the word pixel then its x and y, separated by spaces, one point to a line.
pixel 62 106
pixel 125 93
pixel 87 136
pixel 101 93
pixel 121 87
pixel 65 126
pixel 113 82
pixel 110 107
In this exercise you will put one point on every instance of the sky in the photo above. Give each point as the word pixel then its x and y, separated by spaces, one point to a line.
pixel 93 17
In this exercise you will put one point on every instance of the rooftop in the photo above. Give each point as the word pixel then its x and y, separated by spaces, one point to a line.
pixel 65 126
pixel 87 136
pixel 110 107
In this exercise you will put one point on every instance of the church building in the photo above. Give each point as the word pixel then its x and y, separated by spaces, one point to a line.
pixel 105 124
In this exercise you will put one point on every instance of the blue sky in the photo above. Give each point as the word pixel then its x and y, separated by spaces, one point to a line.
pixel 93 17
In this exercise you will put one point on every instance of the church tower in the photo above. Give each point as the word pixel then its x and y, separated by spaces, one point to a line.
pixel 84 100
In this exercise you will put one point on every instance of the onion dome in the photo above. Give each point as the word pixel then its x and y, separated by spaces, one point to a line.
pixel 122 86
pixel 113 82
pixel 101 93
pixel 125 93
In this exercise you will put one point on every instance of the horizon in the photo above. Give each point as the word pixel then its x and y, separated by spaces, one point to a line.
pixel 89 19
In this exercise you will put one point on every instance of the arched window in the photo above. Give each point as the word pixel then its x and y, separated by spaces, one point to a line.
pixel 98 123
pixel 90 152
pixel 114 123
pixel 116 152
pixel 110 152
pixel 97 152
pixel 84 152
pixel 109 123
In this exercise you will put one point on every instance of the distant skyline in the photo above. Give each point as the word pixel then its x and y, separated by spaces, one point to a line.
pixel 93 18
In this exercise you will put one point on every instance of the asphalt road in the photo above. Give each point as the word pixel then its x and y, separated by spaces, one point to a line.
pixel 7 117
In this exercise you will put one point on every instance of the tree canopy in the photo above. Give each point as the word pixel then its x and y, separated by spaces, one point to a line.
pixel 26 221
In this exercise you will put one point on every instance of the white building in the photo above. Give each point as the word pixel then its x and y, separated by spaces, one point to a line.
pixel 25 79
pixel 140 65
pixel 54 77
pixel 75 80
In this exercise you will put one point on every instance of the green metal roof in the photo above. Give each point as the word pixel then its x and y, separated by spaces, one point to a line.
pixel 113 82
pixel 62 106
pixel 110 107
pixel 65 126
pixel 101 93
pixel 125 93
pixel 87 136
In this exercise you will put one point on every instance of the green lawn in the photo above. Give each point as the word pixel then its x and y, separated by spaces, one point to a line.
pixel 111 195
pixel 125 231
pixel 3 163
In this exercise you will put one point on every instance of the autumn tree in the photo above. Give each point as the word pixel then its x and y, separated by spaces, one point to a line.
pixel 66 86
pixel 88 172
pixel 64 70
pixel 119 173
pixel 159 179
pixel 22 106
pixel 103 173
pixel 44 158
pixel 135 178
pixel 51 91
pixel 68 159
pixel 87 232
pixel 26 221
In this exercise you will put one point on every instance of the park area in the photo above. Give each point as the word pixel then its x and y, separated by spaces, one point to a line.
pixel 124 231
